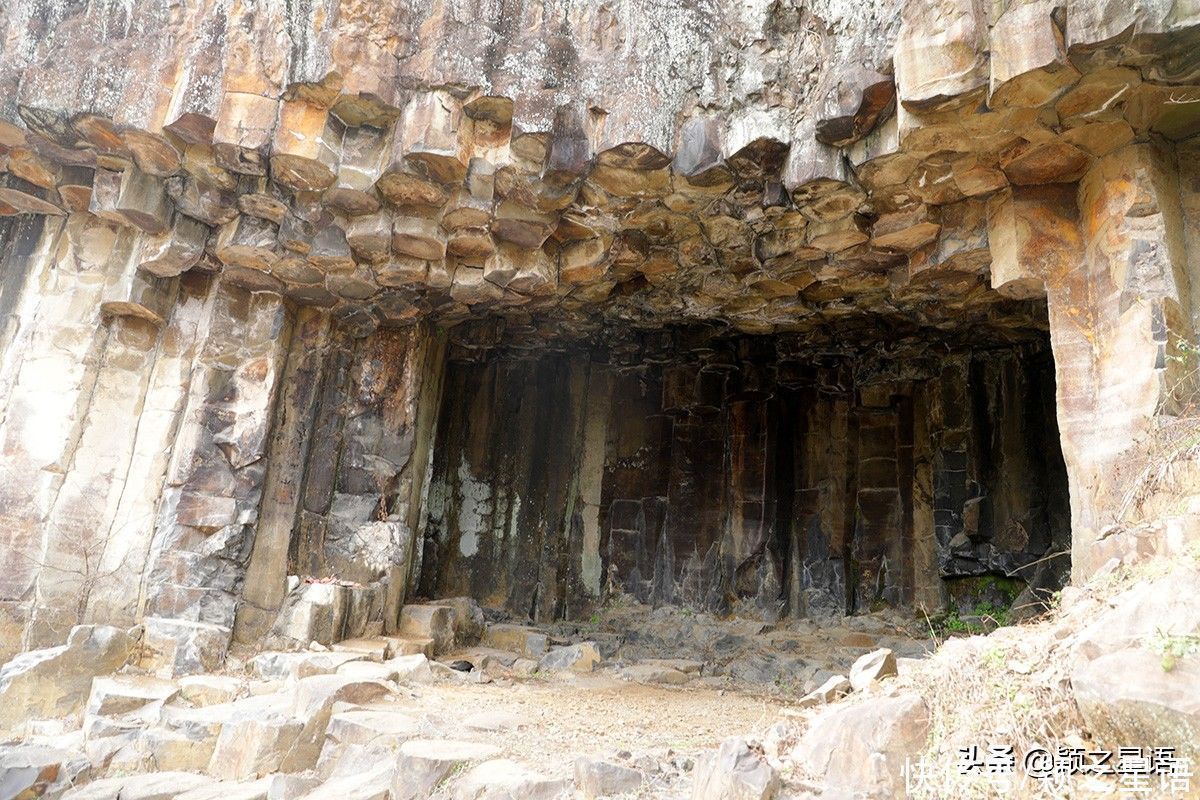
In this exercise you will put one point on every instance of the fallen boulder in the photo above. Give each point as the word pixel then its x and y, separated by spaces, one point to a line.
pixel 1136 668
pixel 861 749
pixel 834 688
pixel 872 667
pixel 595 778
pixel 734 770
pixel 582 657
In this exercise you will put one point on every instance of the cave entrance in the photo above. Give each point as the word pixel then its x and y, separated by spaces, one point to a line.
pixel 748 473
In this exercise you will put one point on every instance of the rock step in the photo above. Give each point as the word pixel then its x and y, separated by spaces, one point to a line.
pixel 149 786
pixel 499 779
pixel 377 648
pixel 422 764
pixel 445 624
pixel 225 790
pixel 28 770
pixel 520 639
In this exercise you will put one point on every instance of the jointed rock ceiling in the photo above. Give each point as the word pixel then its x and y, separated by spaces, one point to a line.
pixel 753 169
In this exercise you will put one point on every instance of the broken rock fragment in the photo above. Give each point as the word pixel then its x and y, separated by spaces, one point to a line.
pixel 735 769
pixel 872 667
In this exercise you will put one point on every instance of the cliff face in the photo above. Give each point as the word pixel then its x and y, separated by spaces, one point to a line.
pixel 240 241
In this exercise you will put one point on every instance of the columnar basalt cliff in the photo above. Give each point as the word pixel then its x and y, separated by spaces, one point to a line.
pixel 810 306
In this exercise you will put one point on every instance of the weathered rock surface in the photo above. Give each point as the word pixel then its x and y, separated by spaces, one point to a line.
pixel 369 783
pixel 528 642
pixel 173 648
pixel 1136 668
pixel 832 689
pixel 655 672
pixel 28 771
pixel 208 690
pixel 862 747
pixel 257 736
pixel 873 667
pixel 582 657
pixel 309 310
pixel 224 790
pixel 424 763
pixel 433 622
pixel 595 778
pixel 501 778
pixel 150 786
pixel 734 770
pixel 56 681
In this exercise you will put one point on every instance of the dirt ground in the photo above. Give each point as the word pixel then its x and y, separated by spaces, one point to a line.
pixel 550 722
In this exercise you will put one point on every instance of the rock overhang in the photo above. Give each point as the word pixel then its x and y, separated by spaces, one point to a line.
pixel 859 191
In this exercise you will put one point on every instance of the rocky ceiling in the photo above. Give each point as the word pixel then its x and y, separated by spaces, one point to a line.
pixel 370 177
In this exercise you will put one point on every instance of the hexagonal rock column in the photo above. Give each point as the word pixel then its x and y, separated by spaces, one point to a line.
pixel 1112 259
pixel 210 502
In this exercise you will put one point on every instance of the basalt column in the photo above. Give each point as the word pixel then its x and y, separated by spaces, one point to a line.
pixel 1115 256
pixel 353 433
pixel 83 335
pixel 727 478
pixel 505 521
pixel 209 508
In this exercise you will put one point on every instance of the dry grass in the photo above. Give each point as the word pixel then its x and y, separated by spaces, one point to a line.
pixel 1010 688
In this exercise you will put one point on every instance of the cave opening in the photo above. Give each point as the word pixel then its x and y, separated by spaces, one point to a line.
pixel 767 475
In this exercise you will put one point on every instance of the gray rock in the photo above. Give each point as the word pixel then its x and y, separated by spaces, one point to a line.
pixel 872 667
pixel 469 622
pixel 861 749
pixel 150 786
pixel 224 790
pixel 429 622
pixel 1120 674
pixel 256 735
pixel 832 689
pixel 364 784
pixel 176 647
pixel 582 657
pixel 1127 696
pixel 735 770
pixel 312 612
pixel 524 641
pixel 595 778
pixel 208 690
pixel 411 669
pixel 649 672
pixel 424 763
